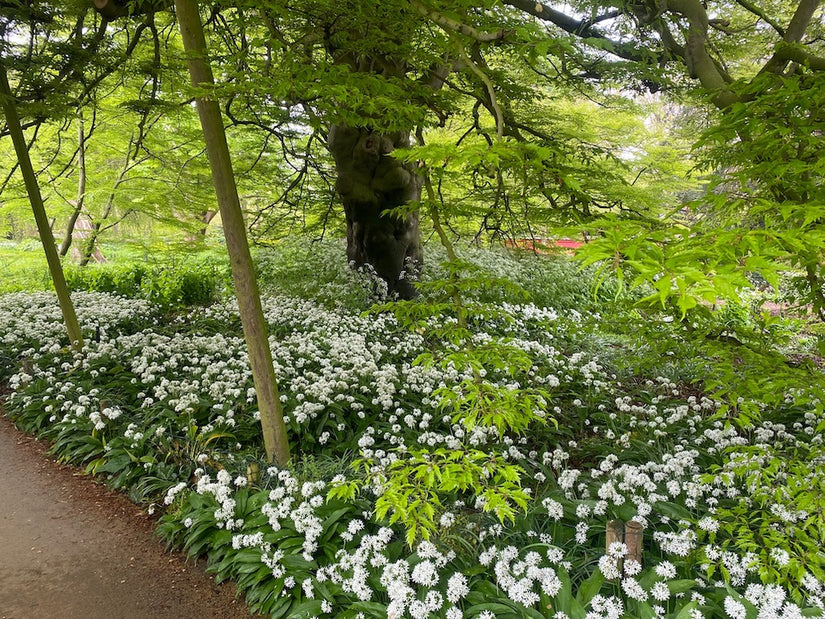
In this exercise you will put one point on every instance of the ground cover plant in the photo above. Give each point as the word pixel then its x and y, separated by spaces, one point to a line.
pixel 457 456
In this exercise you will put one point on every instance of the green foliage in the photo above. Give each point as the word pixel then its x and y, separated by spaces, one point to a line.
pixel 766 156
pixel 782 521
pixel 315 269
pixel 167 286
pixel 473 464
pixel 412 487
pixel 23 266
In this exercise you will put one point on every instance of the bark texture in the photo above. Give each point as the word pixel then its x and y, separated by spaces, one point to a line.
pixel 370 183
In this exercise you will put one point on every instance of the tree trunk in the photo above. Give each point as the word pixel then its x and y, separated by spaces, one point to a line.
pixel 243 273
pixel 89 249
pixel 81 186
pixel 371 183
pixel 46 237
pixel 206 218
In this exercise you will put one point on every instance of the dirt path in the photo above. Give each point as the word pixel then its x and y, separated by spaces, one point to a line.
pixel 71 549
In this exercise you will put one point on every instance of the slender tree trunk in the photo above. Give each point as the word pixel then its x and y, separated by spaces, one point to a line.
pixel 206 218
pixel 81 185
pixel 243 273
pixel 46 237
pixel 370 182
pixel 89 247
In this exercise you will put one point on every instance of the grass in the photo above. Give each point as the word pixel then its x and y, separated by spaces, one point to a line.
pixel 23 267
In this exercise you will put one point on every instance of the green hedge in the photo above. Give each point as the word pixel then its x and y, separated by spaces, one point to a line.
pixel 166 285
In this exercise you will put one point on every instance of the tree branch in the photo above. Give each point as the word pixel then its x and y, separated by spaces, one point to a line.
pixel 800 20
pixel 795 53
pixel 456 26
pixel 699 62
pixel 749 6
pixel 796 30
pixel 583 29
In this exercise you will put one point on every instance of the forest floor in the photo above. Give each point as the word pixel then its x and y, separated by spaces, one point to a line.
pixel 71 548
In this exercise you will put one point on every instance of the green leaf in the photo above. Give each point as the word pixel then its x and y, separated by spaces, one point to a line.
pixel 590 587
pixel 686 610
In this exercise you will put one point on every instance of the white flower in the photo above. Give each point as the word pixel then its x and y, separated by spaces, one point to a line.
pixel 553 507
pixel 425 573
pixel 660 591
pixel 633 589
pixel 666 570
pixel 457 587
pixel 735 609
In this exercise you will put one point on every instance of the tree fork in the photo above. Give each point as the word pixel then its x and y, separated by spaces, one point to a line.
pixel 43 227
pixel 243 273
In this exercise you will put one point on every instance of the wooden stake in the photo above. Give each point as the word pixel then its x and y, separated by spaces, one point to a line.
pixel 633 539
pixel 614 534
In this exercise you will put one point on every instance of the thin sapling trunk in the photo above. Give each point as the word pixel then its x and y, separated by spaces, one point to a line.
pixel 46 237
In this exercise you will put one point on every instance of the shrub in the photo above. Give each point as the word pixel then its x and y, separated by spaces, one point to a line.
pixel 166 285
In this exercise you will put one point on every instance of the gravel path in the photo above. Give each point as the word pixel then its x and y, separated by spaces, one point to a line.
pixel 71 549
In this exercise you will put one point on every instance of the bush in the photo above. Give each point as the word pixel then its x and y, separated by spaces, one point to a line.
pixel 317 270
pixel 167 285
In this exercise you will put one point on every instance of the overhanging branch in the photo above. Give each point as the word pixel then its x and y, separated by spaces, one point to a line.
pixel 585 30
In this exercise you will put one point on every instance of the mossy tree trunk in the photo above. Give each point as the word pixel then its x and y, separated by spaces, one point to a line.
pixel 370 182
pixel 243 273
pixel 43 227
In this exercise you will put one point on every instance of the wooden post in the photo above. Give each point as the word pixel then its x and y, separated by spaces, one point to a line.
pixel 614 534
pixel 243 273
pixel 633 540
pixel 43 227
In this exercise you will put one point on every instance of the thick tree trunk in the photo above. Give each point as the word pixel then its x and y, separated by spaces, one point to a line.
pixel 370 183
pixel 46 236
pixel 243 272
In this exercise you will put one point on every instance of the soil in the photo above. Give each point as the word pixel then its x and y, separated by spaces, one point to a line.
pixel 73 549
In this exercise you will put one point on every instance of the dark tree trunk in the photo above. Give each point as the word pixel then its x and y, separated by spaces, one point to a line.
pixel 206 218
pixel 370 183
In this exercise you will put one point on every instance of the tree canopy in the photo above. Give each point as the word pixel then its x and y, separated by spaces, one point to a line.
pixel 510 117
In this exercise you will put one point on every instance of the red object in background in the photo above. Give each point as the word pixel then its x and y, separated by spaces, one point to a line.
pixel 568 243
pixel 545 246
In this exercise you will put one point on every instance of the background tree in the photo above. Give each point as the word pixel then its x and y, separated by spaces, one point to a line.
pixel 357 82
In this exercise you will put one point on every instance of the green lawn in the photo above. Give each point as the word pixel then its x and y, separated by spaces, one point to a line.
pixel 23 267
